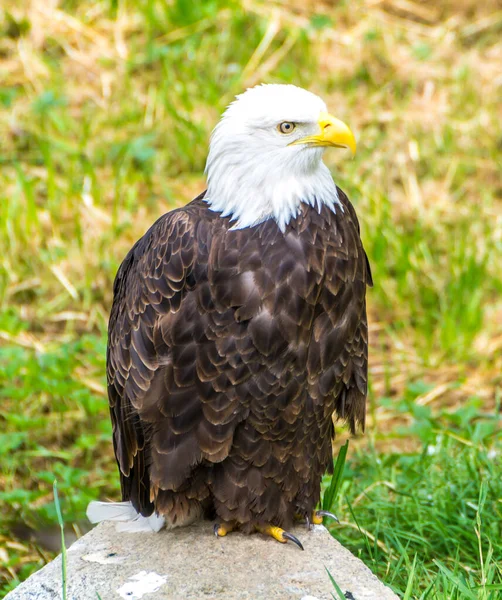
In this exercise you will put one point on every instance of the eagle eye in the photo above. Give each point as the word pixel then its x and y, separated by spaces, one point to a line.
pixel 286 127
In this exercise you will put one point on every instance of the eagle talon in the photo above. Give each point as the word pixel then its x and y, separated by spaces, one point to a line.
pixel 318 515
pixel 308 523
pixel 292 538
pixel 279 534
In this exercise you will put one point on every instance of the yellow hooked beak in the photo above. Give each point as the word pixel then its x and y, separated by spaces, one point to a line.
pixel 333 133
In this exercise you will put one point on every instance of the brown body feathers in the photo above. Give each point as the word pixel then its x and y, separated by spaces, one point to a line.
pixel 229 352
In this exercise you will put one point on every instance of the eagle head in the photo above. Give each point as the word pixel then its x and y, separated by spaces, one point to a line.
pixel 265 155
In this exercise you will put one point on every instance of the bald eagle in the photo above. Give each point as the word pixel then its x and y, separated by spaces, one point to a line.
pixel 238 329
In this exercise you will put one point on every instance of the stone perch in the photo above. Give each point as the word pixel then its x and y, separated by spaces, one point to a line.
pixel 191 563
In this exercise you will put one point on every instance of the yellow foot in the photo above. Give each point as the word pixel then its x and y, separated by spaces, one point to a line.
pixel 317 516
pixel 279 534
pixel 221 530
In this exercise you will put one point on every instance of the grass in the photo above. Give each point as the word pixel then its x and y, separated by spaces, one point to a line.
pixel 435 513
pixel 63 544
pixel 105 113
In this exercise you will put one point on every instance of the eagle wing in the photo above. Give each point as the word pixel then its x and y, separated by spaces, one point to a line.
pixel 338 350
pixel 148 290
pixel 350 367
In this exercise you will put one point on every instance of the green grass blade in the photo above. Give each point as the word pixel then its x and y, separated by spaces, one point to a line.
pixel 331 493
pixel 429 590
pixel 364 537
pixel 63 546
pixel 467 593
pixel 411 577
pixel 339 592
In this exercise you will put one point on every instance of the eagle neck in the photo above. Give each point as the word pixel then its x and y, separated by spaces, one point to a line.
pixel 250 196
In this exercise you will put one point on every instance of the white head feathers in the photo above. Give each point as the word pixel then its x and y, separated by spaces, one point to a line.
pixel 253 171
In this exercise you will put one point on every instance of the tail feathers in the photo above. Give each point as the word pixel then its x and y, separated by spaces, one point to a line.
pixel 110 511
pixel 153 523
pixel 126 514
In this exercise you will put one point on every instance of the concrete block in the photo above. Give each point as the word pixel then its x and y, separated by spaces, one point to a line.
pixel 191 563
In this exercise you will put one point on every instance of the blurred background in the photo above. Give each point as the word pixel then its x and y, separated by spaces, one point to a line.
pixel 106 107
